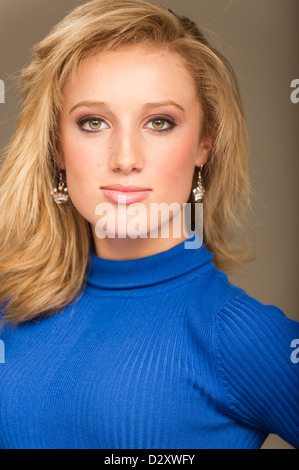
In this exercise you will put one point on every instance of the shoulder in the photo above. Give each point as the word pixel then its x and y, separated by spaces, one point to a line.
pixel 231 311
pixel 210 290
pixel 259 336
pixel 247 321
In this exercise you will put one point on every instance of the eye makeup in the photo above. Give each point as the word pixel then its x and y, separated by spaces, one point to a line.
pixel 94 124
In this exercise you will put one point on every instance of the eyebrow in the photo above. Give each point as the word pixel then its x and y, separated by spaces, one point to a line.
pixel 146 106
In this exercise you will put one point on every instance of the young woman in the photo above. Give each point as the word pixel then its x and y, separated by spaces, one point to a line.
pixel 120 328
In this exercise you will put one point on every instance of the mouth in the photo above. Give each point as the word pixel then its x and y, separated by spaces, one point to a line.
pixel 125 194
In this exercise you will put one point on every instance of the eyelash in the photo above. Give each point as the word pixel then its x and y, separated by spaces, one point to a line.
pixel 81 121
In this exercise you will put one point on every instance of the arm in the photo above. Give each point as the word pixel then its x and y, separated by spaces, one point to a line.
pixel 254 345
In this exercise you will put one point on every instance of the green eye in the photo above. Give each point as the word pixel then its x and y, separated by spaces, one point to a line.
pixel 91 124
pixel 158 123
pixel 94 124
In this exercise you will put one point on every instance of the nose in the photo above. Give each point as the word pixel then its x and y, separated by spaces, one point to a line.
pixel 126 153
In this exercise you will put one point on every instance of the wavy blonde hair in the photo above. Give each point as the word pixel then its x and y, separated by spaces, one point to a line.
pixel 44 247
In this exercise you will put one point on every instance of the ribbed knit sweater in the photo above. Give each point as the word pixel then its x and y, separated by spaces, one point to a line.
pixel 161 352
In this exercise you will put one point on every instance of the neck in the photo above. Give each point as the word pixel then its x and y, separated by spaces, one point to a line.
pixel 166 265
pixel 126 248
pixel 133 248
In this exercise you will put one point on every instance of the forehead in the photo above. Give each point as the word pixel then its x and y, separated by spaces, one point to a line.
pixel 133 71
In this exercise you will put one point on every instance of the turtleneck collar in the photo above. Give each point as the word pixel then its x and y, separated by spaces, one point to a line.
pixel 154 269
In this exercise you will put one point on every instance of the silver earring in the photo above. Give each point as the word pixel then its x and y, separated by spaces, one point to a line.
pixel 199 191
pixel 60 194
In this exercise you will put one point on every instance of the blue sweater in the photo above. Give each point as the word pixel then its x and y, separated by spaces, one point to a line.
pixel 161 352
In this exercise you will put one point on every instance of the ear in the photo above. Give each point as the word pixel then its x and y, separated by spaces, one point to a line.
pixel 204 149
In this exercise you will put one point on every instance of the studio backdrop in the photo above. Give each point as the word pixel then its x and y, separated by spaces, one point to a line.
pixel 260 38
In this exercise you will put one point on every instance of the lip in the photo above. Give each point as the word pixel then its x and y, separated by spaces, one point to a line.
pixel 125 194
pixel 125 188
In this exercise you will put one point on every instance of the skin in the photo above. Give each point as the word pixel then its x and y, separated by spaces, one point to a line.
pixel 126 144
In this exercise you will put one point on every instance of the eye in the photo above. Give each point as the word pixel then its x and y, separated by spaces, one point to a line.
pixel 90 124
pixel 159 123
pixel 94 124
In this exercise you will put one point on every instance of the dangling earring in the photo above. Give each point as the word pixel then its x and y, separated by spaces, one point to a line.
pixel 199 191
pixel 60 194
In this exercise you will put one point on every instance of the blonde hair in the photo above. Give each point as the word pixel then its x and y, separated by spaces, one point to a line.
pixel 44 249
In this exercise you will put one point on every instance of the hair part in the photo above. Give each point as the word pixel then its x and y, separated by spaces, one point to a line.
pixel 44 248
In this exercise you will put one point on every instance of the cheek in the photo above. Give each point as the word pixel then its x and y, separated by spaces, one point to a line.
pixel 179 165
pixel 82 181
pixel 79 159
pixel 175 171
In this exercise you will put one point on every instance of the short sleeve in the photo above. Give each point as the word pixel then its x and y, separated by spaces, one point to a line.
pixel 257 367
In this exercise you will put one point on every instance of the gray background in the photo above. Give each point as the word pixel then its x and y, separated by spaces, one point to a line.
pixel 260 38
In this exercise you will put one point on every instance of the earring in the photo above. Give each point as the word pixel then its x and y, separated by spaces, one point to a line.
pixel 60 194
pixel 199 191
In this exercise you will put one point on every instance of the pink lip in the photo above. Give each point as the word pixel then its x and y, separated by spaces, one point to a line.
pixel 125 188
pixel 125 194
